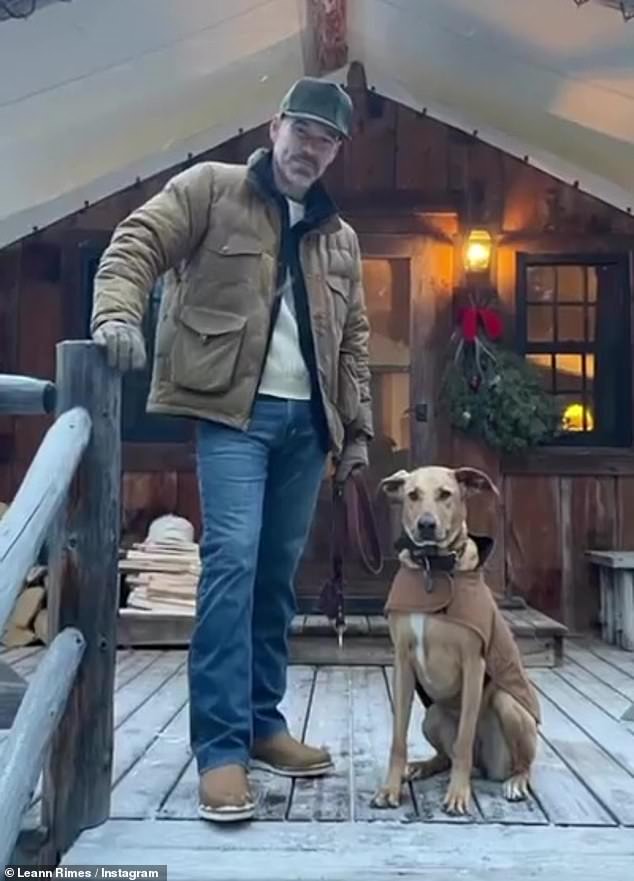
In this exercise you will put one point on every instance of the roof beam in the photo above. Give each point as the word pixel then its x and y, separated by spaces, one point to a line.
pixel 326 43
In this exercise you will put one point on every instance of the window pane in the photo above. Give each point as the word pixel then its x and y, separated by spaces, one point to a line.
pixel 570 321
pixel 577 415
pixel 587 344
pixel 569 372
pixel 540 284
pixel 591 274
pixel 591 323
pixel 543 365
pixel 390 404
pixel 540 325
pixel 570 284
pixel 386 288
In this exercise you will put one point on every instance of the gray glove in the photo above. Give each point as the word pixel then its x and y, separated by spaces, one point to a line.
pixel 354 455
pixel 124 345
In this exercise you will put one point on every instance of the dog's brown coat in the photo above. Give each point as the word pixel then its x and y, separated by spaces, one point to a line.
pixel 468 723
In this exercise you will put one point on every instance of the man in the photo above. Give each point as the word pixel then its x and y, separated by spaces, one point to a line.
pixel 262 338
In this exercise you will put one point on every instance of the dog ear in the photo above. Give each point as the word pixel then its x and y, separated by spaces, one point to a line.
pixel 393 485
pixel 474 481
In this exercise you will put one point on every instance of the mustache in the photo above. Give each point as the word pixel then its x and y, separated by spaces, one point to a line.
pixel 308 160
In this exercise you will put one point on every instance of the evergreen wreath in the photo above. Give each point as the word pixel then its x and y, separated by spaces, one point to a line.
pixel 492 393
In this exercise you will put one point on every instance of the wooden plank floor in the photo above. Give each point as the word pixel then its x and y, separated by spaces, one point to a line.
pixel 583 779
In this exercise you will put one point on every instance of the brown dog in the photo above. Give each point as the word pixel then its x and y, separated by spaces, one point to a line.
pixel 470 719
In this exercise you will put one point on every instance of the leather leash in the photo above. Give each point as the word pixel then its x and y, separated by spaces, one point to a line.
pixel 353 534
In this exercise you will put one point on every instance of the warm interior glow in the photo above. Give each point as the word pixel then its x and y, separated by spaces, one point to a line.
pixel 572 419
pixel 478 252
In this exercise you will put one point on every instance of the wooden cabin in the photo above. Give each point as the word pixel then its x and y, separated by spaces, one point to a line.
pixel 414 188
pixel 445 147
pixel 491 170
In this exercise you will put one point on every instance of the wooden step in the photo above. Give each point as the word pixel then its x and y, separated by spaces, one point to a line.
pixel 366 641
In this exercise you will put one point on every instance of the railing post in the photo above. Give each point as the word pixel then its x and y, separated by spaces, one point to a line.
pixel 83 593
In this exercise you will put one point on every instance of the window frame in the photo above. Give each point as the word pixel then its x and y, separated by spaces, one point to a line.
pixel 622 436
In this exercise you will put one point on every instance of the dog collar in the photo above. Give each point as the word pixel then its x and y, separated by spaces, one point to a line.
pixel 430 561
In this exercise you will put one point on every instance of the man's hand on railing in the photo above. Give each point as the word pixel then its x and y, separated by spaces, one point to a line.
pixel 124 345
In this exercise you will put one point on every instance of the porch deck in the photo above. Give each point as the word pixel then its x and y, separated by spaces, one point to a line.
pixel 579 821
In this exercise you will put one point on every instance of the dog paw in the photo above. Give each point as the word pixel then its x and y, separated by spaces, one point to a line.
pixel 426 768
pixel 387 797
pixel 458 799
pixel 516 787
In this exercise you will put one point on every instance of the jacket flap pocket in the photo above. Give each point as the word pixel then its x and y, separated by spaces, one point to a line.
pixel 211 322
pixel 206 350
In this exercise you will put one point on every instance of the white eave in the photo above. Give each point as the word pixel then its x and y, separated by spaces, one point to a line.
pixel 94 95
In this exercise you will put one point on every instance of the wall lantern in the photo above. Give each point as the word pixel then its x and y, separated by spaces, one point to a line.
pixel 478 251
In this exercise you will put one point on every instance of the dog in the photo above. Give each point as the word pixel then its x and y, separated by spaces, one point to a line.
pixel 470 720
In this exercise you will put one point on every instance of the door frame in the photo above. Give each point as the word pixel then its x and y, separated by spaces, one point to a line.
pixel 430 247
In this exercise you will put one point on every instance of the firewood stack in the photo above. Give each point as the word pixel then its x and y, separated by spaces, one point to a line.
pixel 163 570
pixel 28 622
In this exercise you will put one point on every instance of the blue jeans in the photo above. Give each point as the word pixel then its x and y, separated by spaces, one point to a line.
pixel 258 491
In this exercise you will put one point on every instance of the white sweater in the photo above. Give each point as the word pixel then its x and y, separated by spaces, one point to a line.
pixel 285 373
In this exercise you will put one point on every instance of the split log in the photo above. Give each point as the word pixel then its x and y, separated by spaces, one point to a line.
pixel 28 605
pixel 16 637
pixel 40 626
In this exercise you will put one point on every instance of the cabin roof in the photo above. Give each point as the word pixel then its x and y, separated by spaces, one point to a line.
pixel 94 95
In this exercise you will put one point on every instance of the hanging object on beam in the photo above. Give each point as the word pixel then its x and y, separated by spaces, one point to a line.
pixel 326 43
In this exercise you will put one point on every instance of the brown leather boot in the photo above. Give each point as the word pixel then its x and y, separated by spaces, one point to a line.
pixel 224 795
pixel 284 755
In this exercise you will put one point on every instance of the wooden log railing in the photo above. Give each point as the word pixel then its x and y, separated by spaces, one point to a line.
pixel 24 395
pixel 26 524
pixel 32 730
pixel 70 500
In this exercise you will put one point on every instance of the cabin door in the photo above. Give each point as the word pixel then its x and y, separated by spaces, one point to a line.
pixel 407 282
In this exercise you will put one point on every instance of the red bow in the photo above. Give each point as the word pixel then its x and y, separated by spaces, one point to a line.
pixel 490 320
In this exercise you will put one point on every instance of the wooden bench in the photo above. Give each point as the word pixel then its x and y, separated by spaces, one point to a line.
pixel 616 582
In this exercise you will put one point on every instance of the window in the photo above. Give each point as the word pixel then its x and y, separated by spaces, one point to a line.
pixel 137 426
pixel 386 286
pixel 574 325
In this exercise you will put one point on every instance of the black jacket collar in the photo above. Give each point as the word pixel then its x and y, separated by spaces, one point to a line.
pixel 320 209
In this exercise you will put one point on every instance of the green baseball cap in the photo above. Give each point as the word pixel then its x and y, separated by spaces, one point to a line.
pixel 321 101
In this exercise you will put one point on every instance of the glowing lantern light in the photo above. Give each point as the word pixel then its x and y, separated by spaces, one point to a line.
pixel 478 251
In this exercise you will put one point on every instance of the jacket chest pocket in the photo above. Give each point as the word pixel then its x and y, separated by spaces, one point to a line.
pixel 233 258
pixel 206 349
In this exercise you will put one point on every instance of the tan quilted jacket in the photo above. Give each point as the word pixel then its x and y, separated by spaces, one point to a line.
pixel 214 236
